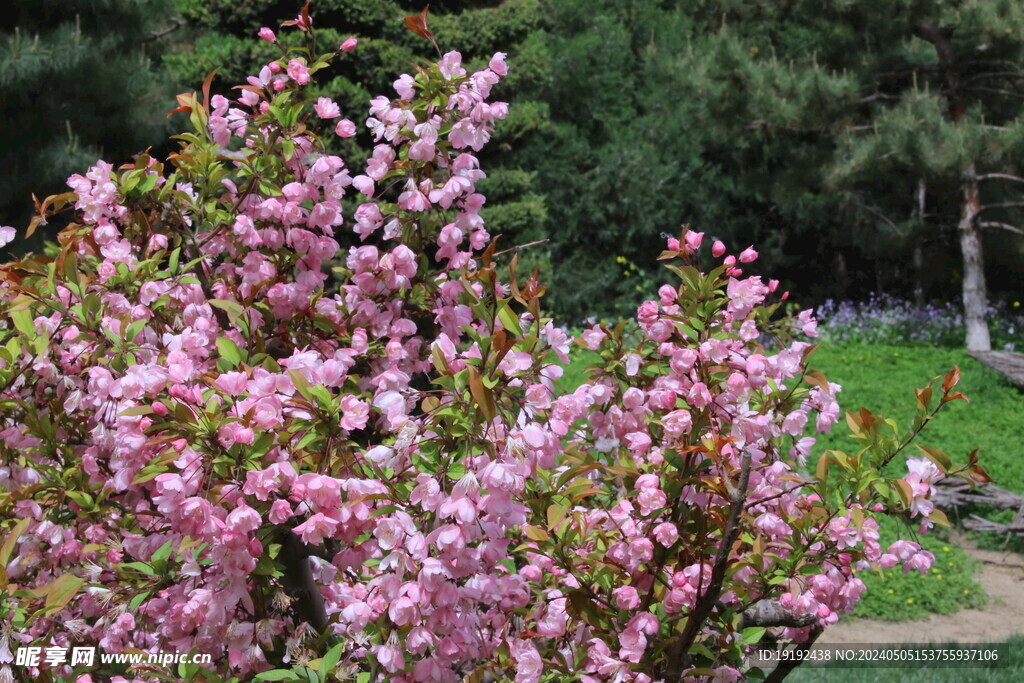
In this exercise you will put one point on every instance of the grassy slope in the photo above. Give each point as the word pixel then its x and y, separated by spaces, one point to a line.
pixel 882 378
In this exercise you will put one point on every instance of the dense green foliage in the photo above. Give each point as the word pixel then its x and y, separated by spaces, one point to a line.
pixel 77 81
pixel 826 133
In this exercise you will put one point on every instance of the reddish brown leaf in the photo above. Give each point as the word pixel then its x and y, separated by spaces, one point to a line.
pixel 417 23
pixel 206 86
pixel 951 379
pixel 979 474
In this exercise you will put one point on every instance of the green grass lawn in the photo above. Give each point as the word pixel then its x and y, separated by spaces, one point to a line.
pixel 948 587
pixel 882 379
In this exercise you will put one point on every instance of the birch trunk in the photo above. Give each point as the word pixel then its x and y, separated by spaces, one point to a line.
pixel 975 297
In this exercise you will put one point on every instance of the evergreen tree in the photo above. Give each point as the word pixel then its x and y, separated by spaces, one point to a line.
pixel 907 117
pixel 77 82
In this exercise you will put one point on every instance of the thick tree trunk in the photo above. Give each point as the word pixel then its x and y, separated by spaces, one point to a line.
pixel 975 297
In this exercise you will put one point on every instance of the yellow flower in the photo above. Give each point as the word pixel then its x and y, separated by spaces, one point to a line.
pixel 910 601
pixel 945 548
pixel 967 592
pixel 891 591
pixel 939 577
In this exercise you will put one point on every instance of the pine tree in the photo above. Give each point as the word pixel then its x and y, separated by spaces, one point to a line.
pixel 908 116
pixel 77 82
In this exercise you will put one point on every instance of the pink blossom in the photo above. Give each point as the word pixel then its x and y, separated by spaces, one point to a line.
pixel 666 533
pixel 267 35
pixel 316 528
pixel 349 44
pixel 326 108
pixel 345 129
pixel 748 255
pixel 298 71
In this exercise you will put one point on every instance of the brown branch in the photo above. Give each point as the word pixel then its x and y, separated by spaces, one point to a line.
pixel 1002 205
pixel 522 246
pixel 156 35
pixel 679 658
pixel 997 91
pixel 874 97
pixel 770 613
pixel 298 577
pixel 787 665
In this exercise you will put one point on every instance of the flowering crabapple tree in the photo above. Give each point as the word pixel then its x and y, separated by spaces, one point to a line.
pixel 203 451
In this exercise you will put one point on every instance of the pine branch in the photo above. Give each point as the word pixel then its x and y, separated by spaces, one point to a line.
pixel 997 91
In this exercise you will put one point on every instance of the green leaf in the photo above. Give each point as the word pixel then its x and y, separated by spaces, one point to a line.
pixel 330 662
pixel 278 675
pixel 22 320
pixel 232 308
pixel 229 351
pixel 753 634
pixel 59 592
pixel 172 262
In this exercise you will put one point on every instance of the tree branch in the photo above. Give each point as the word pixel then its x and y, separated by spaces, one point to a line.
pixel 874 97
pixel 679 658
pixel 787 665
pixel 1002 226
pixel 156 35
pixel 770 613
pixel 1002 205
pixel 997 91
pixel 1001 176
pixel 295 556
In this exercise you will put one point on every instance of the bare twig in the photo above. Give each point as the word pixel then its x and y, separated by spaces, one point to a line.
pixel 522 246
pixel 157 35
pixel 1002 205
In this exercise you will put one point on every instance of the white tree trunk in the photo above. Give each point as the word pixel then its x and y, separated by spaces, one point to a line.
pixel 975 297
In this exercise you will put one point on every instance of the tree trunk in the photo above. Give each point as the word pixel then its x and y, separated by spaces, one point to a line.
pixel 842 276
pixel 918 238
pixel 975 297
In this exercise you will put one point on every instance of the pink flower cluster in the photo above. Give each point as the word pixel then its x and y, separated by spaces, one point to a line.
pixel 226 457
